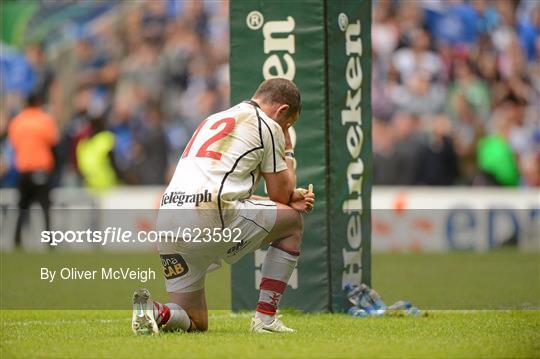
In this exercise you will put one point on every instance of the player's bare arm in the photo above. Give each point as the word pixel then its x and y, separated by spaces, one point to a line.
pixel 281 185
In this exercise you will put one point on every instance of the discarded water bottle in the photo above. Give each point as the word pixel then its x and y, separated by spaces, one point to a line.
pixel 376 300
pixel 353 293
pixel 376 312
pixel 413 312
pixel 400 305
pixel 366 299
pixel 357 312
pixel 368 303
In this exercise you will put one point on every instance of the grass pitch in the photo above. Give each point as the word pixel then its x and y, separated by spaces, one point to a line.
pixel 479 334
pixel 501 280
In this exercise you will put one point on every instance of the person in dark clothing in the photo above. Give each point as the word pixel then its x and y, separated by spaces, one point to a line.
pixel 407 148
pixel 385 160
pixel 151 149
pixel 437 163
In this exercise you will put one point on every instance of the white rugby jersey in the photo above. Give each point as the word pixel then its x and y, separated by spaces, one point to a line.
pixel 223 161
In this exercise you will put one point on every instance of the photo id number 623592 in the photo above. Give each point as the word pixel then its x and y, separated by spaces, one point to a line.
pixel 206 235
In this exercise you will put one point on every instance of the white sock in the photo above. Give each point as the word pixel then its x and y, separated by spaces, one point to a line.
pixel 277 268
pixel 179 318
pixel 171 317
pixel 266 318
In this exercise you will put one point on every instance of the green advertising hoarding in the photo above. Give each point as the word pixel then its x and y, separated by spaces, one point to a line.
pixel 349 136
pixel 304 42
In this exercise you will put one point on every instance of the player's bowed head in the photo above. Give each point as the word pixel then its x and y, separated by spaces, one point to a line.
pixel 280 100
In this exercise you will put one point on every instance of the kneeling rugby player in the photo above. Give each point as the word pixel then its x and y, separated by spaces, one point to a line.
pixel 212 189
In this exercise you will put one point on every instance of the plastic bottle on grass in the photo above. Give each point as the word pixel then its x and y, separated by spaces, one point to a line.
pixel 357 312
pixel 376 300
pixel 353 293
pixel 365 299
pixel 400 305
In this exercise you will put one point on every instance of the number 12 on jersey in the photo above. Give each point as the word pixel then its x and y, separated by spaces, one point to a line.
pixel 225 126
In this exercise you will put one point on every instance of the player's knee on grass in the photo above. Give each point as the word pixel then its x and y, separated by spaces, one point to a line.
pixel 200 325
pixel 194 303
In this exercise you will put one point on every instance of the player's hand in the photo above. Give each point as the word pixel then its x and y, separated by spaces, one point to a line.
pixel 303 200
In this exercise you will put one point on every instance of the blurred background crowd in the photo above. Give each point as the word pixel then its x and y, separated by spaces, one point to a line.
pixel 455 92
pixel 127 87
pixel 455 88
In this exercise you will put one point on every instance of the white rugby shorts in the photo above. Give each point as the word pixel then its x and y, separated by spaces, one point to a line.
pixel 185 264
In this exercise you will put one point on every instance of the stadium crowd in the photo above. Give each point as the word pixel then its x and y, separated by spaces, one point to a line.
pixel 129 92
pixel 455 92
